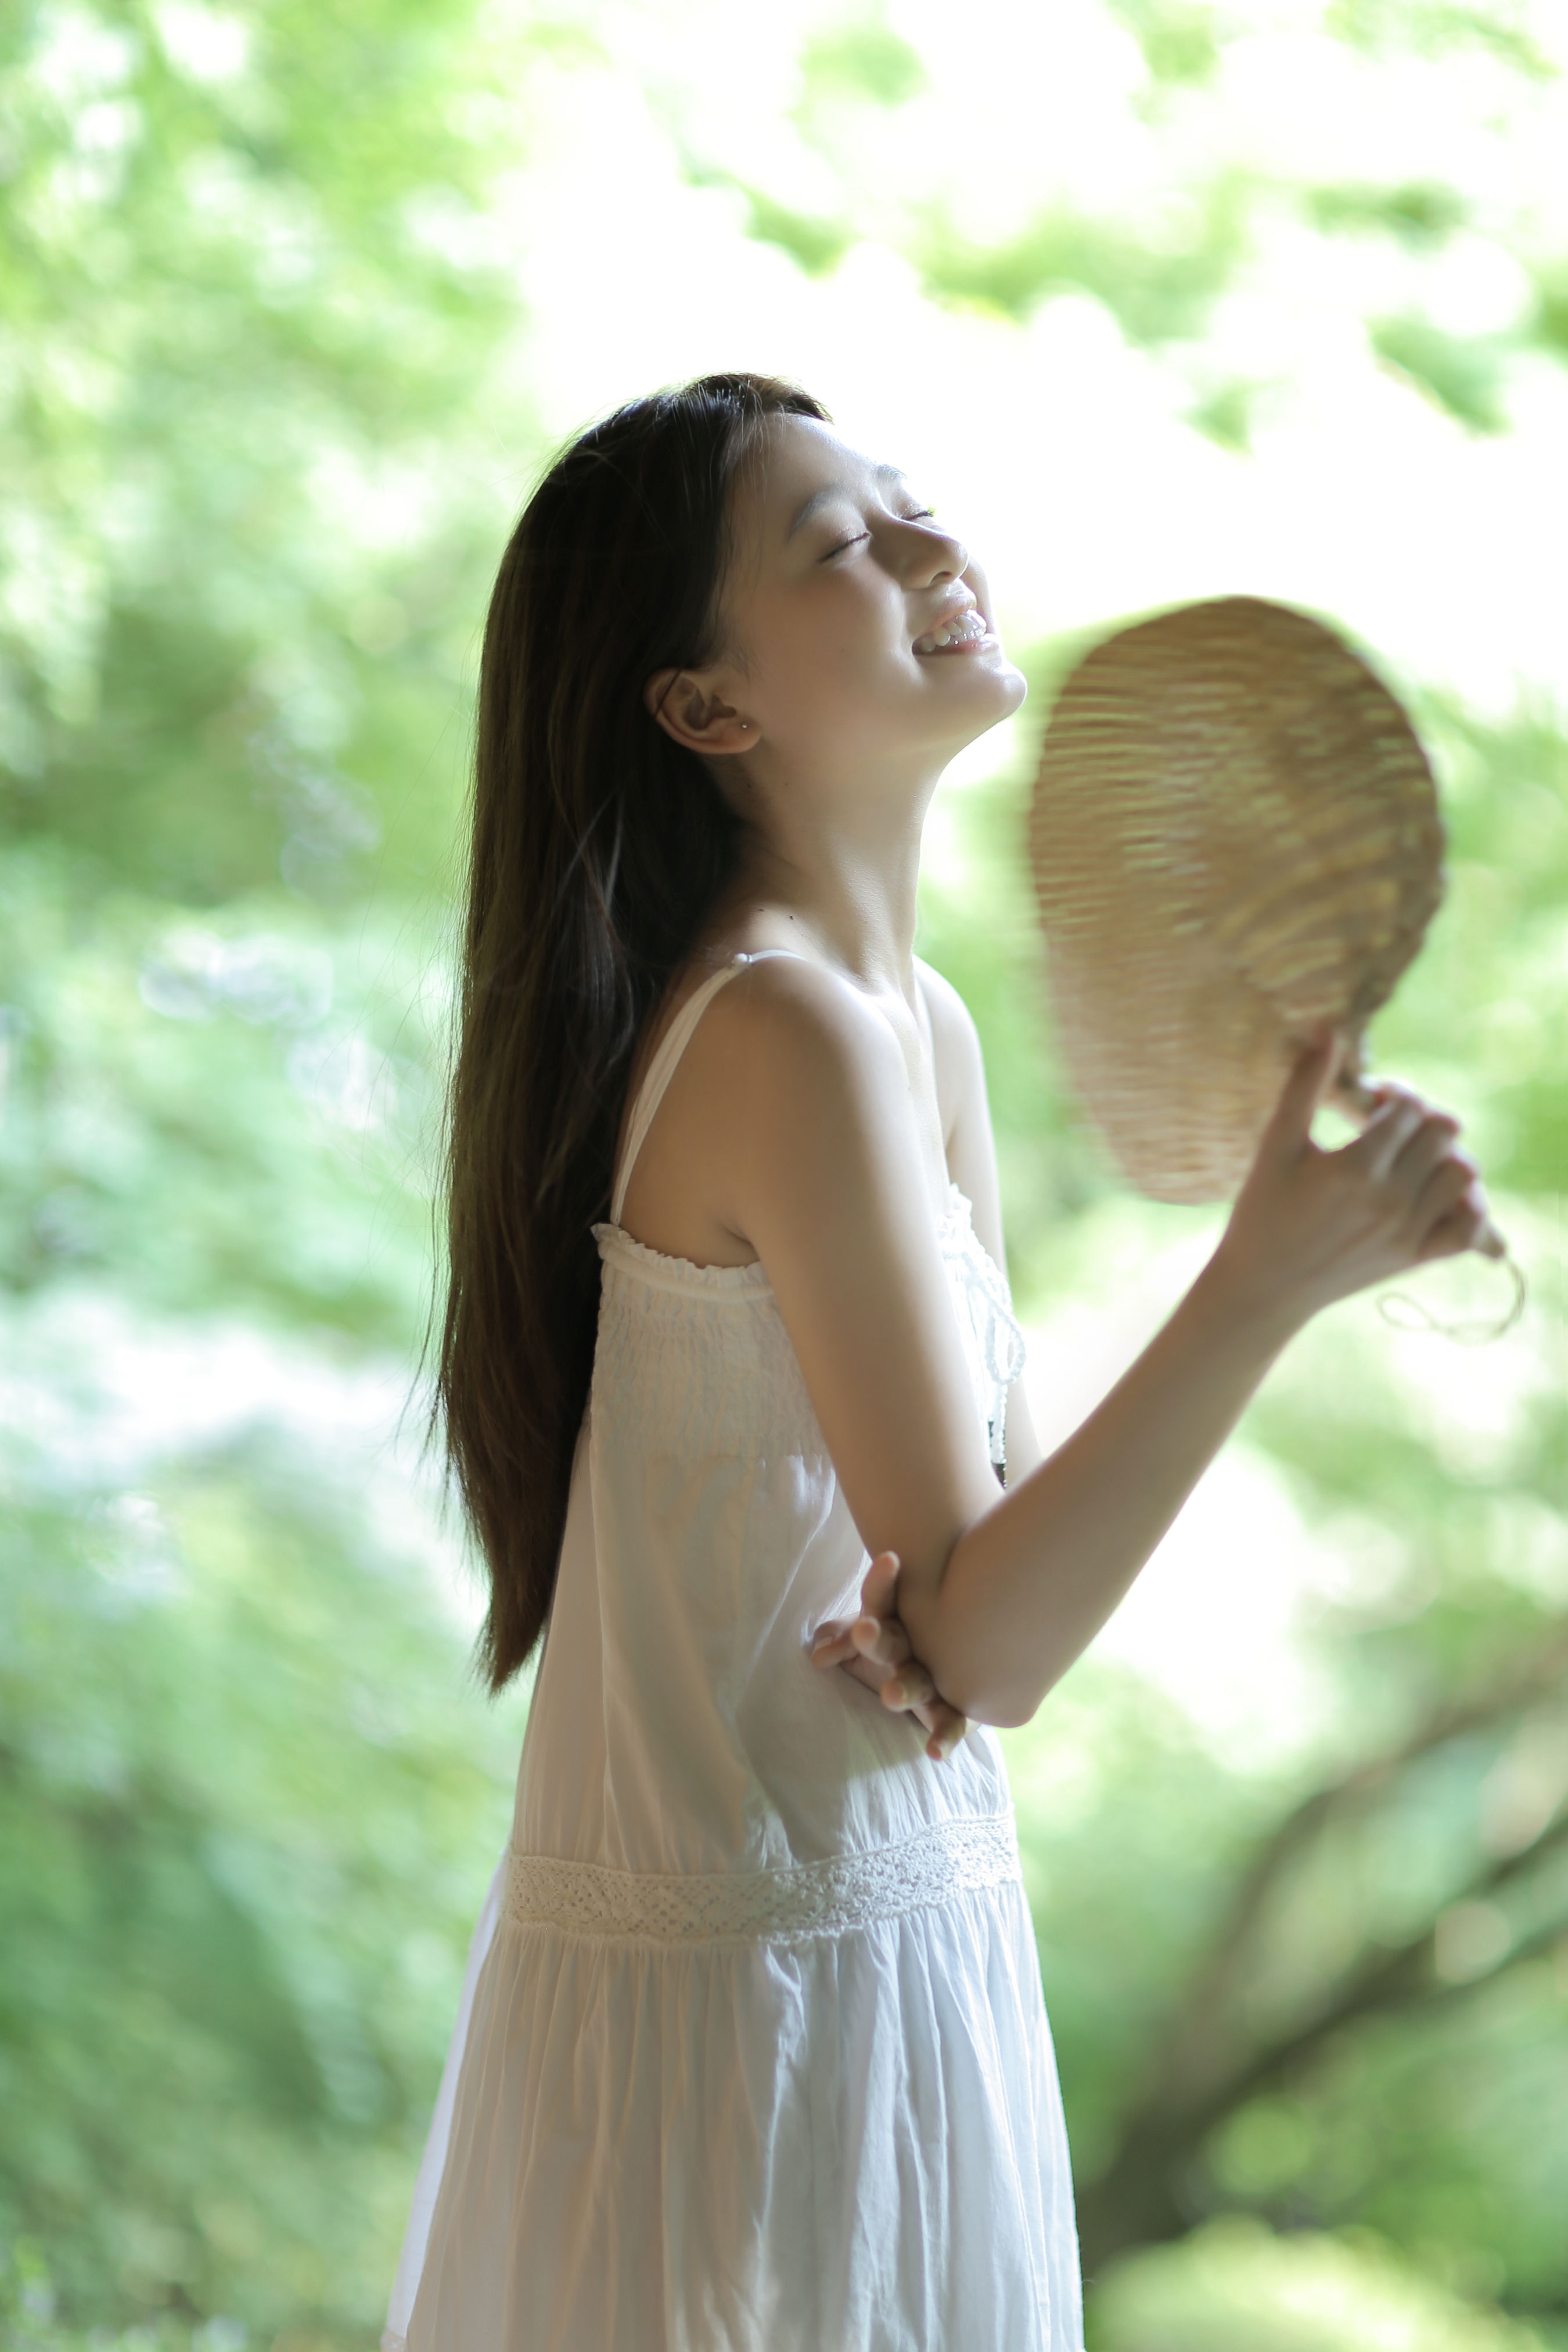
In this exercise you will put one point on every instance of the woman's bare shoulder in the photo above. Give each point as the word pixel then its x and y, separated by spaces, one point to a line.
pixel 790 1004
pixel 789 1025
pixel 784 1045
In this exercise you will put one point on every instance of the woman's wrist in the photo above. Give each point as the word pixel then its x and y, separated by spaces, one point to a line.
pixel 1251 1301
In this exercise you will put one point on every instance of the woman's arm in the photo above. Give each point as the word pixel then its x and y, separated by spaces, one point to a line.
pixel 821 1166
pixel 1090 1515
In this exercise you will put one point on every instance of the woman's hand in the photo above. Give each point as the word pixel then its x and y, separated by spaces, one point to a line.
pixel 1311 1226
pixel 875 1649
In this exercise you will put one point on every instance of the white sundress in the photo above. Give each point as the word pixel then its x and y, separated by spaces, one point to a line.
pixel 752 2056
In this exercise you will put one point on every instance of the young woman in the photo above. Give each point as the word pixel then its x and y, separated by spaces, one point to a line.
pixel 753 2055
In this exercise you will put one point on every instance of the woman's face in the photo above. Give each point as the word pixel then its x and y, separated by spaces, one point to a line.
pixel 855 627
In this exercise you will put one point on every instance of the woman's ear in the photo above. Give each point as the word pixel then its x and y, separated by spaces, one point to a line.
pixel 689 707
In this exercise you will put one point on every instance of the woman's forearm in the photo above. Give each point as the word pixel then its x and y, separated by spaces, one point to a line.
pixel 1027 1586
pixel 1028 1581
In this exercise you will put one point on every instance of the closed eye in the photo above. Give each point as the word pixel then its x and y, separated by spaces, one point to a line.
pixel 921 514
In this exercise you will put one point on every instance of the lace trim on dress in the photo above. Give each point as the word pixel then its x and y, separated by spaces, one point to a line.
pixel 774 1906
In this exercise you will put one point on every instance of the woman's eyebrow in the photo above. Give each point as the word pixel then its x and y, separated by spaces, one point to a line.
pixel 831 490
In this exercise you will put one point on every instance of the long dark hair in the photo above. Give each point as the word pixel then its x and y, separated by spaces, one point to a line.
pixel 599 846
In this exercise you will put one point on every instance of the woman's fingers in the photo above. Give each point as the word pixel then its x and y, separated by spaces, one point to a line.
pixel 1403 1141
pixel 878 1592
pixel 866 1671
pixel 1290 1128
pixel 1451 1237
pixel 909 1686
pixel 874 1655
pixel 1431 1146
pixel 1311 1226
pixel 875 1648
pixel 909 1692
pixel 881 1637
pixel 945 1725
pixel 832 1645
pixel 1406 1148
pixel 1388 1132
pixel 877 1632
pixel 1454 1214
pixel 883 1641
pixel 1441 1189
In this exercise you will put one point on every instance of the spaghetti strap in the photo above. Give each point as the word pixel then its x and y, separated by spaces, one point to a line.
pixel 661 1069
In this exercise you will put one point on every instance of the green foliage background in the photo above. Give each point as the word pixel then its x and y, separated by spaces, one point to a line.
pixel 255 322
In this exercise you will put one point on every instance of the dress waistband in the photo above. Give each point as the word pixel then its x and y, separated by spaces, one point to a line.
pixel 766 1907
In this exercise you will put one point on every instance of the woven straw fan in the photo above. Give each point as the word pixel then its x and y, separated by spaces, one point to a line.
pixel 1235 836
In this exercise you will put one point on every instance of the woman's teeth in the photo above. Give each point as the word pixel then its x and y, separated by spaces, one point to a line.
pixel 965 628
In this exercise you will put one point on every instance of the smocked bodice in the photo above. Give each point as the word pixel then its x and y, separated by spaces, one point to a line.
pixel 757 1350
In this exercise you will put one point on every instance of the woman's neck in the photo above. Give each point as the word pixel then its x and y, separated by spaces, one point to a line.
pixel 847 894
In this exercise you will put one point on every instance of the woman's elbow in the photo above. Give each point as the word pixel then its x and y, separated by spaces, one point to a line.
pixel 1000 1714
pixel 1001 1702
pixel 988 1671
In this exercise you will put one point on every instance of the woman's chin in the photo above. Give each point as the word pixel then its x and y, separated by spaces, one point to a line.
pixel 977 691
pixel 1018 686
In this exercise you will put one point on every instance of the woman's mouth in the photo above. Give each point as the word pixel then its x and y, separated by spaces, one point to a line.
pixel 960 634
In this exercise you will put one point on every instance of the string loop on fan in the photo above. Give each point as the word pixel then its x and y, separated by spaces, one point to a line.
pixel 1468 1335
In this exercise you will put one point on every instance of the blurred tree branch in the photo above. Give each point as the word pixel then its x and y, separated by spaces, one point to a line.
pixel 1206 2076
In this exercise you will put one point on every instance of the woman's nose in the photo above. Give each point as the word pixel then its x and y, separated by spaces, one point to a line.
pixel 934 556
